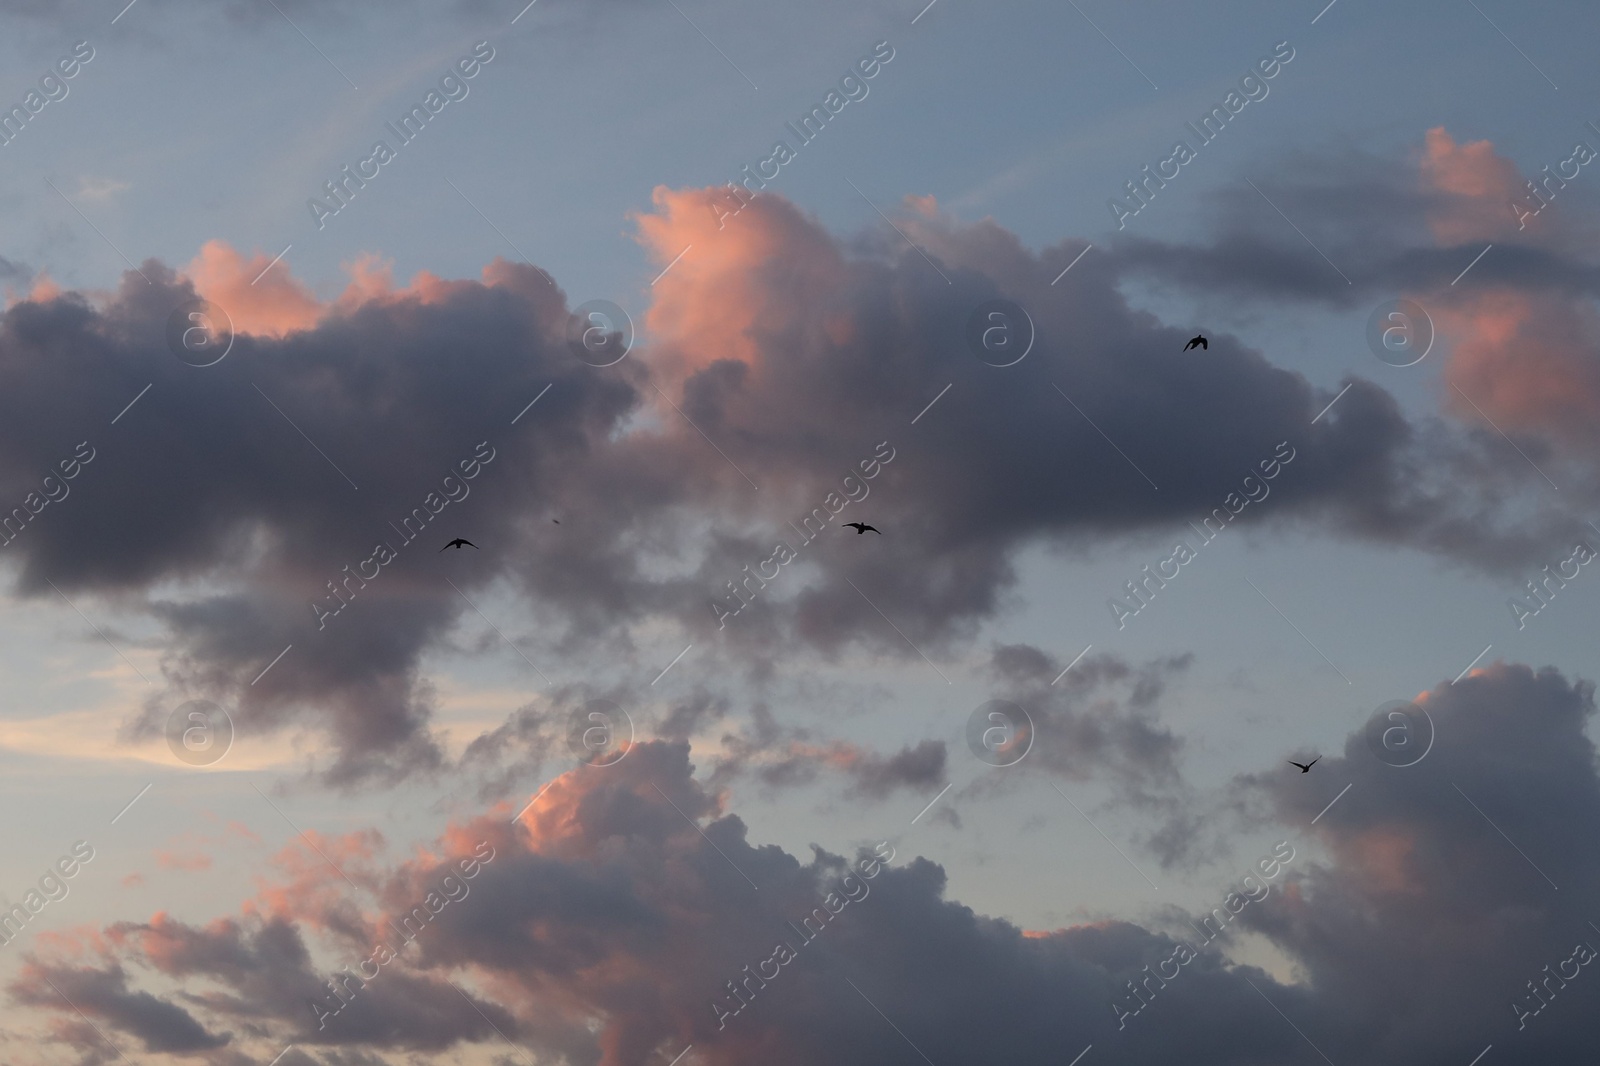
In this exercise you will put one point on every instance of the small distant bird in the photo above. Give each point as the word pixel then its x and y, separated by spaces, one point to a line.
pixel 457 543
pixel 862 527
pixel 557 521
pixel 1305 768
pixel 1198 342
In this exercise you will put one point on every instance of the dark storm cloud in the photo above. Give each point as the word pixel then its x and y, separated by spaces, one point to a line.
pixel 1414 925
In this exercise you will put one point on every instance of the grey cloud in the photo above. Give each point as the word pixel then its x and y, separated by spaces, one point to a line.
pixel 161 1025
pixel 1412 922
pixel 205 481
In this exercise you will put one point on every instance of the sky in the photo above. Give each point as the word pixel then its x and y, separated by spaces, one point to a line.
pixel 429 628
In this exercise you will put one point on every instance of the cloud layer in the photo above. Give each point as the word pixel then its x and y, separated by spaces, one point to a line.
pixel 604 926
pixel 692 477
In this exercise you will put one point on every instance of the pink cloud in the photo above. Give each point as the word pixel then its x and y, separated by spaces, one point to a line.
pixel 1478 187
pixel 272 306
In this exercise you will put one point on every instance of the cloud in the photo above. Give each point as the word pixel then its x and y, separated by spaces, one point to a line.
pixel 211 497
pixel 103 993
pixel 779 354
pixel 561 926
pixel 1517 333
pixel 259 301
pixel 1478 187
pixel 1425 912
pixel 100 188
pixel 761 750
pixel 1411 924
pixel 1103 716
pixel 1527 360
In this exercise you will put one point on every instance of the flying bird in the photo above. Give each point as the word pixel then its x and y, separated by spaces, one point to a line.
pixel 862 527
pixel 1305 768
pixel 457 543
pixel 1198 342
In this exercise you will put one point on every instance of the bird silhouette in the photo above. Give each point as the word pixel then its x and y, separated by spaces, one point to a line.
pixel 862 527
pixel 1305 768
pixel 1199 341
pixel 557 521
pixel 457 543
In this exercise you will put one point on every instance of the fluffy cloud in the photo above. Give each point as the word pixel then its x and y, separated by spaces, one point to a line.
pixel 606 925
pixel 797 354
